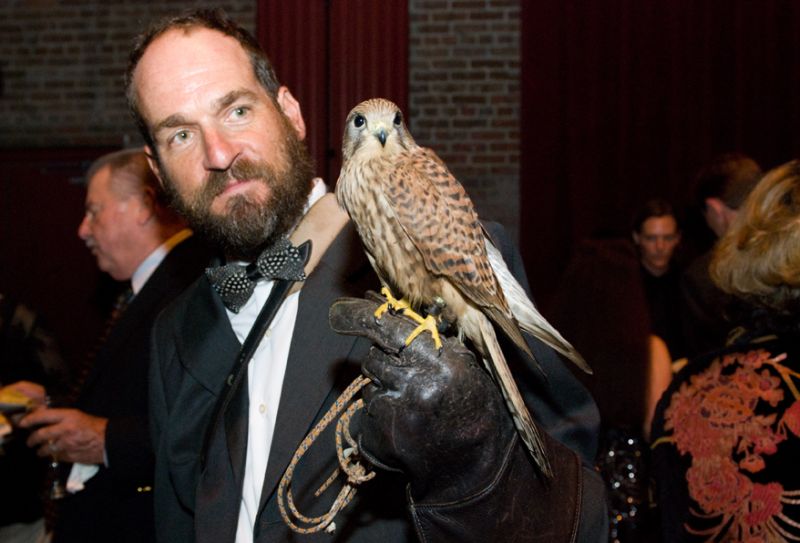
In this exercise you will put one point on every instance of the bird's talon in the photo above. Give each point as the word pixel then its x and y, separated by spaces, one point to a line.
pixel 392 304
pixel 429 323
pixel 381 310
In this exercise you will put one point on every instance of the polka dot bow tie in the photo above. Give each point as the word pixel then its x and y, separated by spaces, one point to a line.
pixel 235 283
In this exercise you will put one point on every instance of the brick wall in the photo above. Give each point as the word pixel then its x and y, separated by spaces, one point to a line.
pixel 464 96
pixel 62 62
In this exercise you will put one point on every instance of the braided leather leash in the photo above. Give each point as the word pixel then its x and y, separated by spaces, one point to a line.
pixel 349 464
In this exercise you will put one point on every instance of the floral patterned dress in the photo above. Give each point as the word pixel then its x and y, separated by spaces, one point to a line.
pixel 726 445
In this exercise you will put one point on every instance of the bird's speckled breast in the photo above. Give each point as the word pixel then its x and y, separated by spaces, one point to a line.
pixel 367 204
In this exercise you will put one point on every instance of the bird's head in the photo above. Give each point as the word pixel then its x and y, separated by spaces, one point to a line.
pixel 375 127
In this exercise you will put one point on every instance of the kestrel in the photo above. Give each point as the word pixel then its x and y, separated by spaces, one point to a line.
pixel 424 239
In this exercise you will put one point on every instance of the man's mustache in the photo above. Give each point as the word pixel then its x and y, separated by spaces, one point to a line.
pixel 242 170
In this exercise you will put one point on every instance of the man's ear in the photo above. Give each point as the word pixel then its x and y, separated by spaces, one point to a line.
pixel 715 215
pixel 151 160
pixel 714 205
pixel 148 208
pixel 291 108
pixel 635 236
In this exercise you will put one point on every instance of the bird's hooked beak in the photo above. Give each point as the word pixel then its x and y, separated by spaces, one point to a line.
pixel 381 133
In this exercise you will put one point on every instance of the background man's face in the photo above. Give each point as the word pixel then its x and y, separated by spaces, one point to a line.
pixel 109 227
pixel 226 152
pixel 657 241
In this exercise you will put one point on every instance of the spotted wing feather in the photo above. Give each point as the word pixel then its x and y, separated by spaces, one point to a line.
pixel 436 213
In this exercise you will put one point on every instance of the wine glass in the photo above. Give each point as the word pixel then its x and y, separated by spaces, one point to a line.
pixel 57 488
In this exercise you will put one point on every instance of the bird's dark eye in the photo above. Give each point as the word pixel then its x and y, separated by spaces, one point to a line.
pixel 398 119
pixel 359 121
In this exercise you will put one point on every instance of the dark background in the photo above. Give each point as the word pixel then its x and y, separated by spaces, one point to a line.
pixel 620 100
pixel 624 100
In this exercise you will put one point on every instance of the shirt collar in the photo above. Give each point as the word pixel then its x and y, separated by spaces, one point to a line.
pixel 149 264
pixel 317 191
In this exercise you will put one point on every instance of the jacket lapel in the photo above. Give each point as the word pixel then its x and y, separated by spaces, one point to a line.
pixel 208 348
pixel 235 420
pixel 207 345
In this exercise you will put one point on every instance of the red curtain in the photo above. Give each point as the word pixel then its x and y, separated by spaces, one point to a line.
pixel 333 55
pixel 43 263
pixel 623 100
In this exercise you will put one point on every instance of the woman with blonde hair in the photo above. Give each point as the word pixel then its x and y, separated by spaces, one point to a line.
pixel 727 430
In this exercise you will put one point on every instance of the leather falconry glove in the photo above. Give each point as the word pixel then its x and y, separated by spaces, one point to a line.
pixel 439 418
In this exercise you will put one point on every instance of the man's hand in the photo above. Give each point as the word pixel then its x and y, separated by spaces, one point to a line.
pixel 68 435
pixel 436 416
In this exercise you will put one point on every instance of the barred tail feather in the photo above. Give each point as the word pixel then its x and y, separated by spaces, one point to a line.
pixel 497 366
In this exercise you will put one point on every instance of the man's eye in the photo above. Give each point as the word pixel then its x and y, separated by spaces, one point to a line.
pixel 180 137
pixel 240 111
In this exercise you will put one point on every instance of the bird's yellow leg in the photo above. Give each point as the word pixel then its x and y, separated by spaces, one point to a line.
pixel 391 302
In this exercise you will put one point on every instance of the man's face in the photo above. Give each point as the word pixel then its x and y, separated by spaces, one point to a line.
pixel 657 241
pixel 232 161
pixel 110 226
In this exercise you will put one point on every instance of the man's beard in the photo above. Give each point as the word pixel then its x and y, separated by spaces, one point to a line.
pixel 248 225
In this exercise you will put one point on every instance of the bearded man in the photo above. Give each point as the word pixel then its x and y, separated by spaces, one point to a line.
pixel 229 406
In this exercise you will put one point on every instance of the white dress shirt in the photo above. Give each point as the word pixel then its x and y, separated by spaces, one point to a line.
pixel 264 382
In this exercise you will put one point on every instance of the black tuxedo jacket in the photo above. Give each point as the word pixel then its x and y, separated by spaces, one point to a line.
pixel 193 350
pixel 116 504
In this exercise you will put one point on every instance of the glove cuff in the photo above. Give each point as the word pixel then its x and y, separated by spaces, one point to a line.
pixel 519 504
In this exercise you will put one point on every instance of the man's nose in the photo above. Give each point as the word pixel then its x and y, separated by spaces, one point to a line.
pixel 220 150
pixel 83 228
